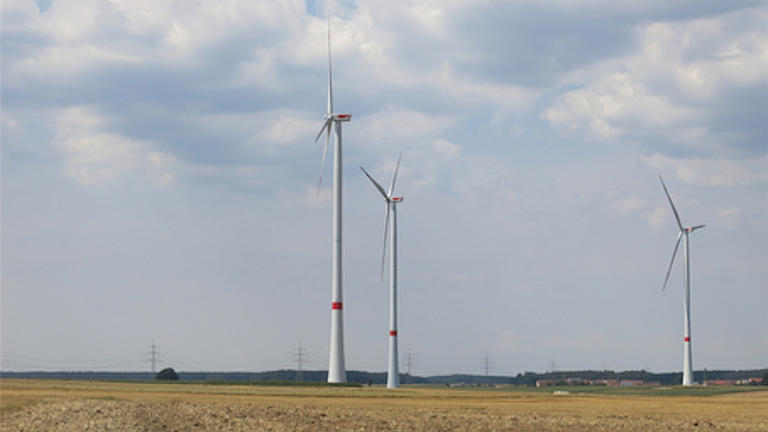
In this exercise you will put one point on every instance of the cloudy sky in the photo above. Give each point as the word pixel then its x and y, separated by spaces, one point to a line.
pixel 158 181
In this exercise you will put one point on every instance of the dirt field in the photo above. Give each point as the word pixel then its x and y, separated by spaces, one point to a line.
pixel 28 405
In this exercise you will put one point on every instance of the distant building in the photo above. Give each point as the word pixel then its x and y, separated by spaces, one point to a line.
pixel 546 382
pixel 611 382
pixel 749 381
pixel 720 382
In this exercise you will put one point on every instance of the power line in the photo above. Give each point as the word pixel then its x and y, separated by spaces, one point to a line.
pixel 11 360
pixel 13 363
pixel 300 355
pixel 410 360
pixel 487 365
pixel 152 356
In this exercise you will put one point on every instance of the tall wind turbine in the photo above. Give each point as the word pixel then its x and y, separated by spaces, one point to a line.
pixel 336 371
pixel 393 370
pixel 684 232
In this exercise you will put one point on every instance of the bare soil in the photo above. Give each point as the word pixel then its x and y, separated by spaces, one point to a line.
pixel 28 405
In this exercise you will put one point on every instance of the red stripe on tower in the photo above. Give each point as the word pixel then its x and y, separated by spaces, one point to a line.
pixel 687 339
pixel 393 332
pixel 336 305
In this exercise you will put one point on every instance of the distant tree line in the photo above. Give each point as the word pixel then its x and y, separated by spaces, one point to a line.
pixel 363 377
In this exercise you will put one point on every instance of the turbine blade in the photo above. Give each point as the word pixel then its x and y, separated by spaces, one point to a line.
pixel 394 177
pixel 330 68
pixel 326 125
pixel 384 249
pixel 697 227
pixel 672 261
pixel 674 210
pixel 322 160
pixel 378 186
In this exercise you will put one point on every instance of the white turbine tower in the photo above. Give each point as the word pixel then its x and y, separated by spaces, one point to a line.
pixel 336 371
pixel 393 370
pixel 684 232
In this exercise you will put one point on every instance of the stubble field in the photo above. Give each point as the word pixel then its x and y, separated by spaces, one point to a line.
pixel 30 405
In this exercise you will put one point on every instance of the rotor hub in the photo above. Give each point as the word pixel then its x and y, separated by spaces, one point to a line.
pixel 341 117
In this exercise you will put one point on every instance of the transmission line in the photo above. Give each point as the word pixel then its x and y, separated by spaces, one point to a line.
pixel 300 355
pixel 487 366
pixel 152 356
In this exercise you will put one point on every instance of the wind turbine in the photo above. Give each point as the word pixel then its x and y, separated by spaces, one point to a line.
pixel 393 370
pixel 336 370
pixel 684 232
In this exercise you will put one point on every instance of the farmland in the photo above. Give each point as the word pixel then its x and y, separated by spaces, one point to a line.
pixel 36 405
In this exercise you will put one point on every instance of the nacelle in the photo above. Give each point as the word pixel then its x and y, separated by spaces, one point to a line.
pixel 342 117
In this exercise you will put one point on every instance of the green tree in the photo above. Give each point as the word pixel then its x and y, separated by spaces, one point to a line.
pixel 765 379
pixel 167 374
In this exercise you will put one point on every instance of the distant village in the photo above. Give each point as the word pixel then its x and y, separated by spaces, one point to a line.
pixel 638 383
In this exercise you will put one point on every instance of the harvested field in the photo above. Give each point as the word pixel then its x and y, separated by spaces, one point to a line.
pixel 29 405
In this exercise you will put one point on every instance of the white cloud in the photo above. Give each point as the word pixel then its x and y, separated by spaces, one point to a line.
pixel 10 128
pixel 730 217
pixel 267 132
pixel 94 156
pixel 429 14
pixel 486 179
pixel 613 106
pixel 97 158
pixel 657 217
pixel 674 90
pixel 89 34
pixel 380 38
pixel 263 70
pixel 713 172
pixel 446 148
pixel 18 14
pixel 704 57
pixel 392 127
pixel 288 127
pixel 630 205
pixel 311 197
